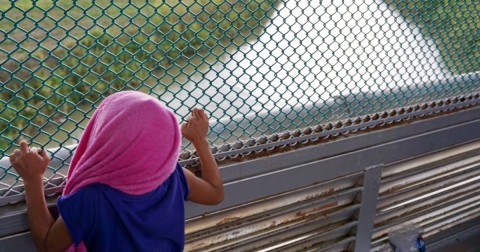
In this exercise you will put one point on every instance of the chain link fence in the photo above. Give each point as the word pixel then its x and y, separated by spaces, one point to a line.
pixel 259 67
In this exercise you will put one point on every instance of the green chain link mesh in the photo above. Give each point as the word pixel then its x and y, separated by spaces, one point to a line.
pixel 257 66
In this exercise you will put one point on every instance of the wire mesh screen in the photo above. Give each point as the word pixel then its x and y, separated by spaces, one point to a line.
pixel 258 67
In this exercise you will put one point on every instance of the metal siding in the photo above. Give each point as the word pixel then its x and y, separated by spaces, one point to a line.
pixel 437 192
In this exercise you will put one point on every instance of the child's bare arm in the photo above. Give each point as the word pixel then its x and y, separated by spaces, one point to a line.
pixel 48 234
pixel 208 189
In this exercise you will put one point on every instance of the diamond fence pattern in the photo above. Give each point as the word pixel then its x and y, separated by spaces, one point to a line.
pixel 259 67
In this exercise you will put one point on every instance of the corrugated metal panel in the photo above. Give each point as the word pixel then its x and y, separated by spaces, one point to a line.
pixel 314 217
pixel 437 192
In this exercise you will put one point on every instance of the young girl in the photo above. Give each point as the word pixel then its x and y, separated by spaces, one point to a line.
pixel 125 190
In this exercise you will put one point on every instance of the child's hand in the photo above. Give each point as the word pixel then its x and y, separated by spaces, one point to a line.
pixel 29 163
pixel 196 127
pixel 209 188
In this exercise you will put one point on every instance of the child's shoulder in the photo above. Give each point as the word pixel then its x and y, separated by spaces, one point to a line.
pixel 85 191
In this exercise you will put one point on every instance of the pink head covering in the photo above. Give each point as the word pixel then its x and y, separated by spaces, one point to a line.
pixel 131 143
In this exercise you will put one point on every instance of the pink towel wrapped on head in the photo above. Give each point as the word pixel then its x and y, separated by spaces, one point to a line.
pixel 131 143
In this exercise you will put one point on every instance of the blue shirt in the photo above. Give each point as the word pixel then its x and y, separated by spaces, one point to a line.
pixel 107 219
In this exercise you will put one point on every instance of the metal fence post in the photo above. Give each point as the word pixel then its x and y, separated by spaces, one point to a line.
pixel 366 217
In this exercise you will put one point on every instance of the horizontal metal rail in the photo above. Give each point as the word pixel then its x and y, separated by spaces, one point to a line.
pixel 338 235
pixel 421 188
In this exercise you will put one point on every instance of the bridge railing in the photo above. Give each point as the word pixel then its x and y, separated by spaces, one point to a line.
pixel 259 67
pixel 274 76
pixel 342 192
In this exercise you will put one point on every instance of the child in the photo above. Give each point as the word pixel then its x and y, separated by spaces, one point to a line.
pixel 125 190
